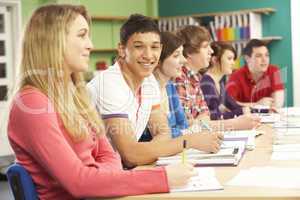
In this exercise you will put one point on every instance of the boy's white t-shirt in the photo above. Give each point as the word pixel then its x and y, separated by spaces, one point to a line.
pixel 114 99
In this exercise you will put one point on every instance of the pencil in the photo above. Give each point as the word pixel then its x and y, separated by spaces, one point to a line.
pixel 183 156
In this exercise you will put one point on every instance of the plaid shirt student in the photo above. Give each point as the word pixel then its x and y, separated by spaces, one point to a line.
pixel 190 94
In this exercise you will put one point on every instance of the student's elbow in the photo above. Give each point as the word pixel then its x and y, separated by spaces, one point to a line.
pixel 75 189
pixel 135 159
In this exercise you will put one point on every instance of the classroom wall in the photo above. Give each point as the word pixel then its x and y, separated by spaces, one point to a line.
pixel 105 34
pixel 276 24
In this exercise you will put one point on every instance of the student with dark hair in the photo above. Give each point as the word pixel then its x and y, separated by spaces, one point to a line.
pixel 169 67
pixel 127 96
pixel 170 62
pixel 198 53
pixel 258 82
pixel 213 83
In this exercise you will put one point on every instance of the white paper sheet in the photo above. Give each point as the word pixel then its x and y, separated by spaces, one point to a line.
pixel 206 180
pixel 285 156
pixel 267 177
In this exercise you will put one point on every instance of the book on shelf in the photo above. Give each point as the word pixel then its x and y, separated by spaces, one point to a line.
pixel 255 25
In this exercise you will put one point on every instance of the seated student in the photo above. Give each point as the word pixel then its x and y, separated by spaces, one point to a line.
pixel 220 104
pixel 127 95
pixel 258 82
pixel 55 133
pixel 197 52
pixel 169 67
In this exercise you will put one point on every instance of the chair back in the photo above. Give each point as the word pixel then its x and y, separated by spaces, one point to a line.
pixel 21 183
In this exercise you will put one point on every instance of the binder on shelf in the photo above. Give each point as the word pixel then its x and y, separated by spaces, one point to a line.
pixel 240 26
pixel 226 29
pixel 255 26
pixel 236 27
pixel 245 28
pixel 217 28
pixel 222 26
pixel 213 31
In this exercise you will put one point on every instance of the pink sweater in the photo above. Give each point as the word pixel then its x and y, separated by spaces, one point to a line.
pixel 63 169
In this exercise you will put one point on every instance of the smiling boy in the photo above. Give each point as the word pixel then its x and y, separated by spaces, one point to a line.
pixel 128 98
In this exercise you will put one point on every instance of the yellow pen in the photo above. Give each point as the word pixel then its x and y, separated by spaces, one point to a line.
pixel 183 156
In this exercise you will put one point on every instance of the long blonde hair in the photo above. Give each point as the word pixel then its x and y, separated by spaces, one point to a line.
pixel 42 66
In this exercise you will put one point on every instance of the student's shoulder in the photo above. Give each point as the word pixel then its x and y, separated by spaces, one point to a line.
pixel 206 78
pixel 112 72
pixel 150 79
pixel 29 97
pixel 239 73
pixel 31 93
pixel 110 78
pixel 273 68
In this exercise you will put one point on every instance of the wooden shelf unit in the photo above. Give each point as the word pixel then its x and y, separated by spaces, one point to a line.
pixel 124 18
pixel 109 18
pixel 113 18
pixel 265 39
pixel 258 10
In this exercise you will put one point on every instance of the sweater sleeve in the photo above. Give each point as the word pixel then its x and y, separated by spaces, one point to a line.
pixel 105 156
pixel 276 80
pixel 211 97
pixel 35 124
pixel 177 113
pixel 232 105
pixel 214 100
pixel 232 87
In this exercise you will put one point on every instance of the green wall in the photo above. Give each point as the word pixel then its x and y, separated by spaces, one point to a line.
pixel 105 34
pixel 275 24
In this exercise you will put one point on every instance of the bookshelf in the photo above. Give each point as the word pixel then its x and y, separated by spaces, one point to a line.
pixel 265 11
pixel 109 18
pixel 113 24
pixel 236 27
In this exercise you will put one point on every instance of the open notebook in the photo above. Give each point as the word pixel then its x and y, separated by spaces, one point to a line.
pixel 230 155
pixel 206 180
pixel 242 135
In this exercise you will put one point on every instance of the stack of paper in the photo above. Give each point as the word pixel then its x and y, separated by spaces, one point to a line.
pixel 268 118
pixel 286 152
pixel 286 143
pixel 290 111
pixel 287 136
pixel 267 177
pixel 226 156
pixel 288 122
pixel 206 180
pixel 286 148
